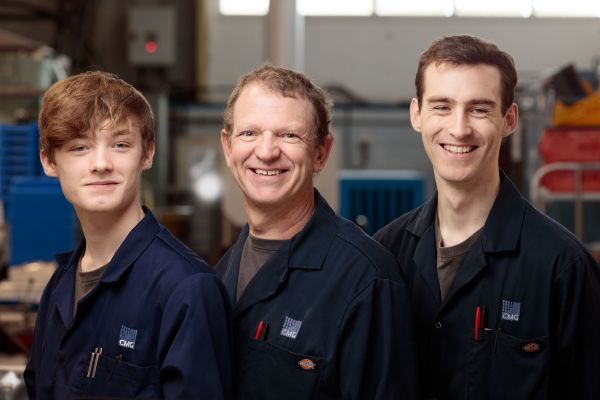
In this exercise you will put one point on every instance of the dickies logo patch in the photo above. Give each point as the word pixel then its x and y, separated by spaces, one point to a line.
pixel 290 328
pixel 307 364
pixel 127 337
pixel 511 310
pixel 531 347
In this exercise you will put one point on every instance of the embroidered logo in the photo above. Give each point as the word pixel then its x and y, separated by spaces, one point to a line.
pixel 290 328
pixel 531 347
pixel 511 310
pixel 307 364
pixel 127 337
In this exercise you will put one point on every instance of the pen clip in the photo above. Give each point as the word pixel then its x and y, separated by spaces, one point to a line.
pixel 91 363
pixel 114 366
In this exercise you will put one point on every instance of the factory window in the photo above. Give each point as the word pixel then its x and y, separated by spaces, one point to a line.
pixel 504 8
pixel 433 8
pixel 335 7
pixel 304 7
pixel 562 8
pixel 448 8
pixel 244 7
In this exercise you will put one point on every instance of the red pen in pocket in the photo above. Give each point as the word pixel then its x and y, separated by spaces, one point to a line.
pixel 261 331
pixel 479 323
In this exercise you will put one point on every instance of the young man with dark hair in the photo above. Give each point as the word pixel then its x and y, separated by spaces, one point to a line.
pixel 320 309
pixel 132 313
pixel 505 299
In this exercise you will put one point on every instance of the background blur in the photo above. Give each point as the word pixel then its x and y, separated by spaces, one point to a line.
pixel 186 56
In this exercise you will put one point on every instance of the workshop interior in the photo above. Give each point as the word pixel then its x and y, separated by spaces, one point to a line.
pixel 186 56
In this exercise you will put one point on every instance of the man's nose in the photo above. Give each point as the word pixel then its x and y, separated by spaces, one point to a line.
pixel 267 147
pixel 460 126
pixel 101 160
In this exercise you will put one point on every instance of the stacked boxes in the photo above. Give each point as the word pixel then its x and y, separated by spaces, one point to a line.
pixel 40 220
pixel 18 157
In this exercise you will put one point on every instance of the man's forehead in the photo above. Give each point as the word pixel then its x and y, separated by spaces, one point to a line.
pixel 257 95
pixel 480 81
pixel 127 126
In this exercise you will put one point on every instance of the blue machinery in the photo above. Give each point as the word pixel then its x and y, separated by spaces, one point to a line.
pixel 373 198
pixel 41 221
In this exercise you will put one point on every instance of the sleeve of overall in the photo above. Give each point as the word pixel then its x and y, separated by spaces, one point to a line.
pixel 576 329
pixel 377 345
pixel 30 373
pixel 194 341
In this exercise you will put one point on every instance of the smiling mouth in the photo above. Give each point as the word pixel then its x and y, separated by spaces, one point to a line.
pixel 268 172
pixel 101 183
pixel 458 149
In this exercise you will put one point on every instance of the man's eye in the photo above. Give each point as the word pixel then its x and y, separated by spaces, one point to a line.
pixel 290 137
pixel 78 148
pixel 122 145
pixel 247 135
pixel 441 108
pixel 480 110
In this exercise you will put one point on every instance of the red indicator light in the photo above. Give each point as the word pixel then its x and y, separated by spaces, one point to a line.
pixel 151 47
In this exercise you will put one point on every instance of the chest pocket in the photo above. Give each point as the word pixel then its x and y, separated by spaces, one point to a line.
pixel 502 366
pixel 269 371
pixel 117 378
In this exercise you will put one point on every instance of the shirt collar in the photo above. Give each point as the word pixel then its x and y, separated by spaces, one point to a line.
pixel 309 247
pixel 502 227
pixel 134 244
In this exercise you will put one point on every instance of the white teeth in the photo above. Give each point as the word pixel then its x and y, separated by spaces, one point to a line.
pixel 265 172
pixel 458 149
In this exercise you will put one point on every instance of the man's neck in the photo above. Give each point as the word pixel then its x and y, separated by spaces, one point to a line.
pixel 104 233
pixel 279 223
pixel 463 210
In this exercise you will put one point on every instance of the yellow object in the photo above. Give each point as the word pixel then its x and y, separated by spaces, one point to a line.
pixel 585 112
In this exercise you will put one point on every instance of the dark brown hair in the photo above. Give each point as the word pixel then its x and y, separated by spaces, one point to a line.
pixel 469 50
pixel 287 83
pixel 71 108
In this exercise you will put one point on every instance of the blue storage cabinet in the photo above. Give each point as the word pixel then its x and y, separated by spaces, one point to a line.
pixel 42 222
pixel 373 198
pixel 19 157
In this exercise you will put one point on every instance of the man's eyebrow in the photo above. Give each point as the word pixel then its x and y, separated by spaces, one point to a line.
pixel 438 99
pixel 483 101
pixel 120 132
pixel 441 99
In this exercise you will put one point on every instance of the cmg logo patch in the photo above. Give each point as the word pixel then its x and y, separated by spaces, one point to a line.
pixel 511 310
pixel 290 328
pixel 127 337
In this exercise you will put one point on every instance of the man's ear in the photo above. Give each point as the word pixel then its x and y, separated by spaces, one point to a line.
pixel 226 144
pixel 48 165
pixel 511 119
pixel 323 152
pixel 415 115
pixel 149 156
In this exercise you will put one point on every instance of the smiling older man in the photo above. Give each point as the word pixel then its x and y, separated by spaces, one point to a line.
pixel 320 309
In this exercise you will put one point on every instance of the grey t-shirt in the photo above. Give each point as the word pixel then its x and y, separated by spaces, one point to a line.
pixel 449 259
pixel 256 252
pixel 85 282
